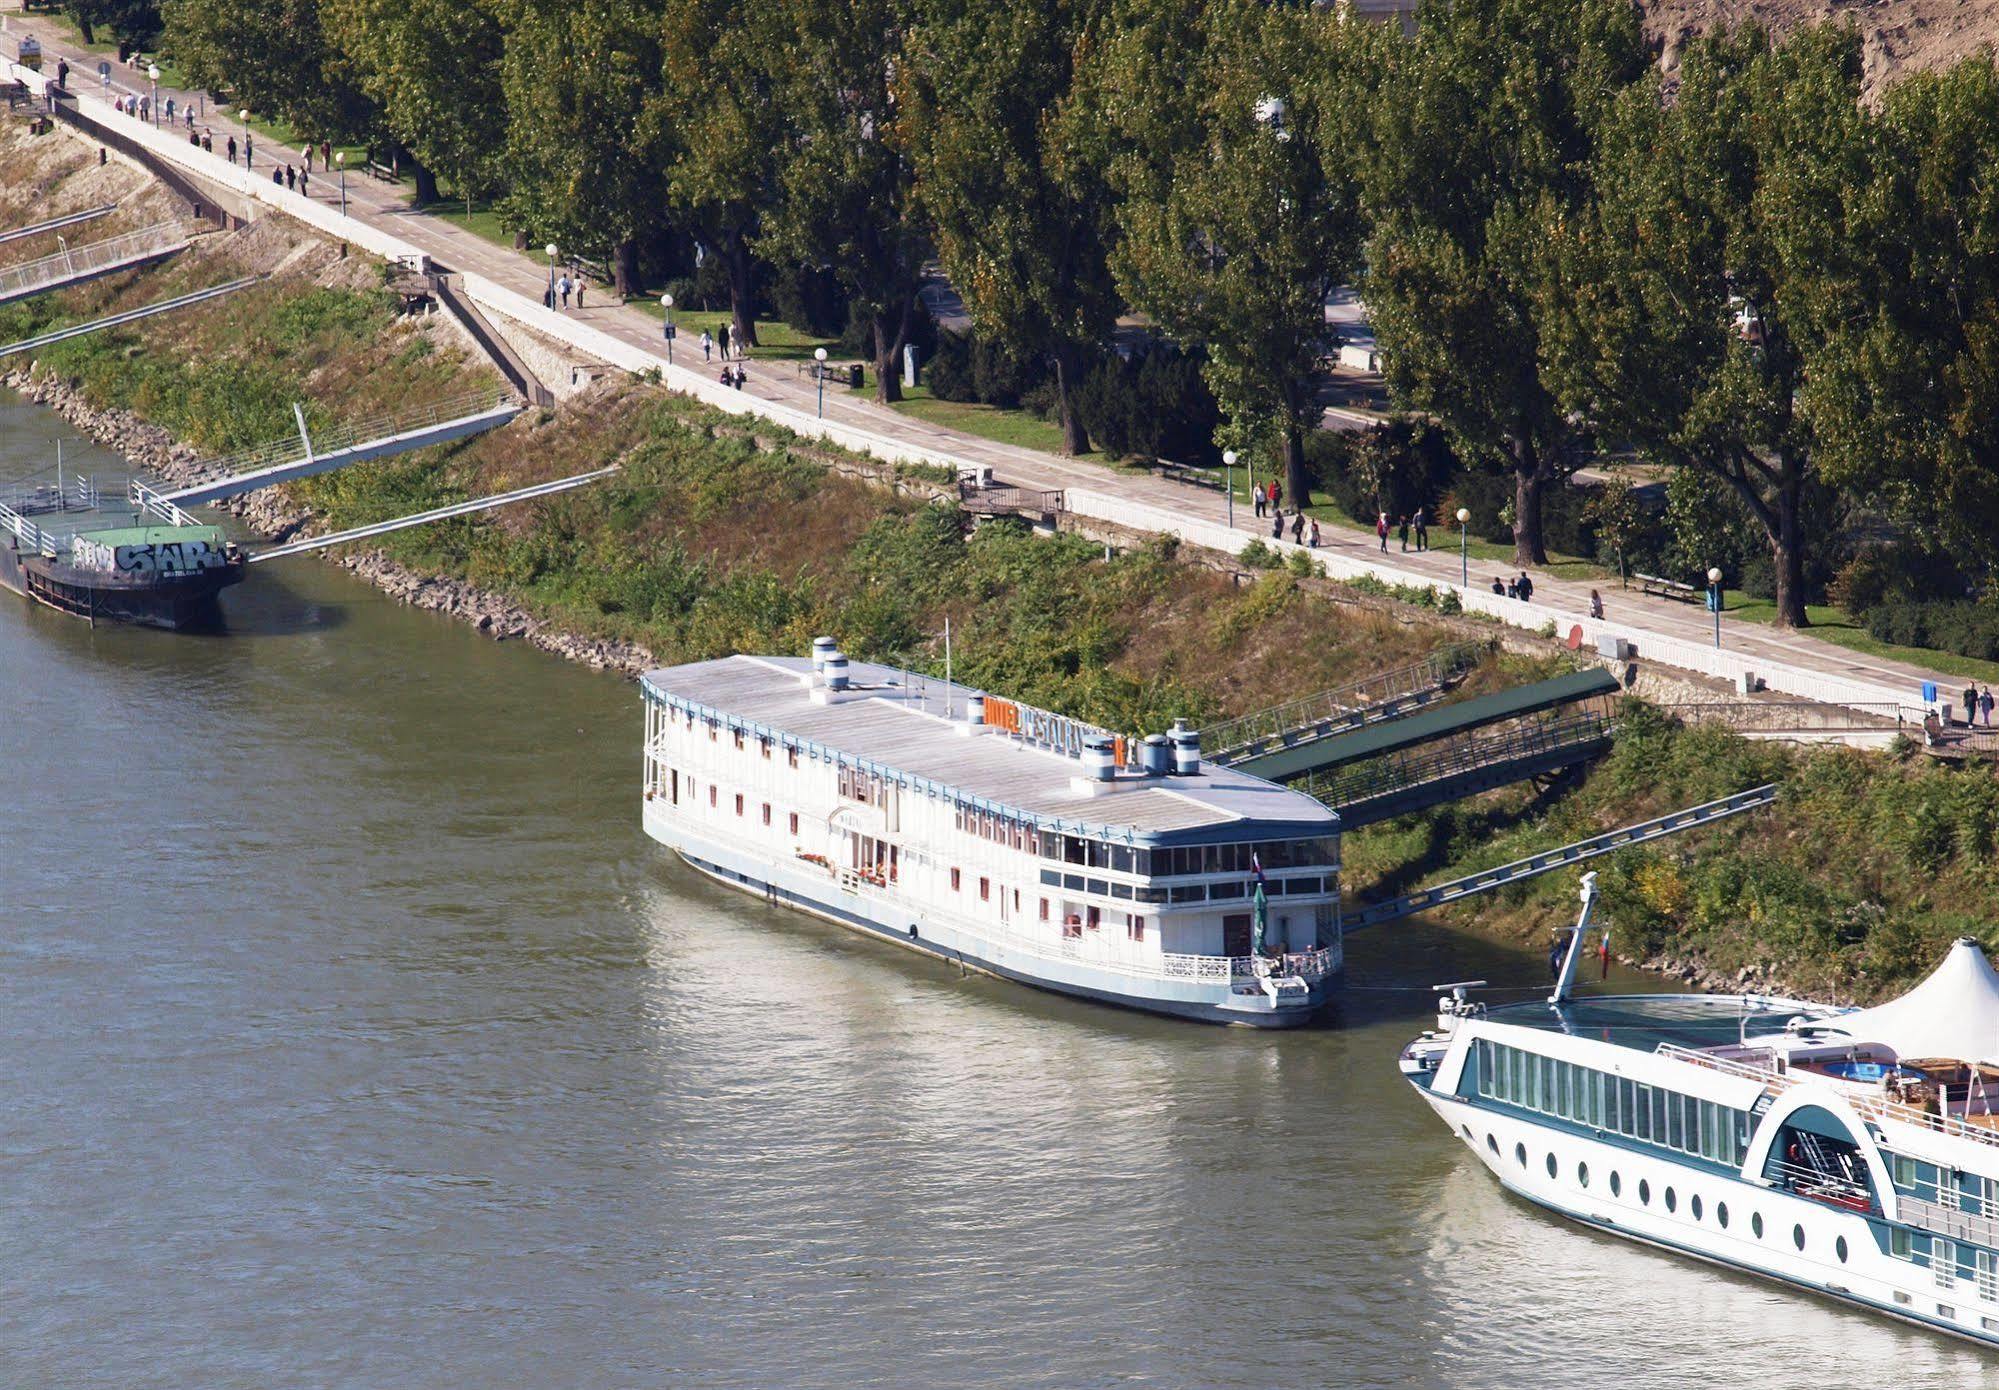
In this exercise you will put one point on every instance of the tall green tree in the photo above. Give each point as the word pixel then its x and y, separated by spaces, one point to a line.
pixel 272 56
pixel 845 179
pixel 585 165
pixel 1727 276
pixel 1239 213
pixel 1481 141
pixel 134 22
pixel 432 67
pixel 714 111
pixel 1008 177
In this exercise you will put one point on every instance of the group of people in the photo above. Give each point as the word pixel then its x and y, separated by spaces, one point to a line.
pixel 558 292
pixel 295 179
pixel 1304 529
pixel 1417 521
pixel 1978 705
pixel 719 340
pixel 1522 588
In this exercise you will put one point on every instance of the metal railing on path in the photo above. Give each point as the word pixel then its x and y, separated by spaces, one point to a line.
pixel 42 340
pixel 95 258
pixel 477 504
pixel 56 224
pixel 1366 701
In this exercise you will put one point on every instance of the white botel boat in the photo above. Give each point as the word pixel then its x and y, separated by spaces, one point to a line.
pixel 997 836
pixel 1850 1153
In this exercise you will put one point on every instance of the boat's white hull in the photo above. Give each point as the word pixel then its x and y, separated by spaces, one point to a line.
pixel 1867 1275
pixel 887 914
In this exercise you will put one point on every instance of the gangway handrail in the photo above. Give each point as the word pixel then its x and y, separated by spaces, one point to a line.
pixel 150 499
pixel 30 535
pixel 77 330
pixel 330 439
pixel 1402 769
pixel 1485 880
pixel 476 504
pixel 93 257
pixel 1380 692
pixel 58 223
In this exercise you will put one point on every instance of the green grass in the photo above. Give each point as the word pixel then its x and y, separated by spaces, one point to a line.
pixel 1013 427
pixel 776 339
pixel 483 221
pixel 1837 626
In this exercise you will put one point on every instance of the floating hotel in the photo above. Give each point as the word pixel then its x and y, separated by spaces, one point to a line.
pixel 1848 1153
pixel 999 836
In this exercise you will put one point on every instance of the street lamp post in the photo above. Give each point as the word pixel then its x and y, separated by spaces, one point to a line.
pixel 153 72
pixel 550 248
pixel 1464 555
pixel 244 116
pixel 1229 457
pixel 819 358
pixel 666 303
pixel 1714 601
pixel 340 163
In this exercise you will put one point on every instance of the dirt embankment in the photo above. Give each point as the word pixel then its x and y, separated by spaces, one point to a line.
pixel 1898 35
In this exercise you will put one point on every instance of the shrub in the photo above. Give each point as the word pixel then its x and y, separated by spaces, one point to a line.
pixel 1259 556
pixel 1001 376
pixel 1152 405
pixel 1961 626
pixel 1899 572
pixel 949 371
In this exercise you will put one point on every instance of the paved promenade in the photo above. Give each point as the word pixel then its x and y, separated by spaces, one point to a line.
pixel 1675 633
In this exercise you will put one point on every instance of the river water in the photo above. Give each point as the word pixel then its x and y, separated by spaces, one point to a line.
pixel 354 1035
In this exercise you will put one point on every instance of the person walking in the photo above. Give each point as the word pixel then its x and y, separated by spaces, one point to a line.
pixel 1315 533
pixel 277 176
pixel 707 345
pixel 1422 529
pixel 249 144
pixel 562 290
pixel 1985 705
pixel 304 180
pixel 169 110
pixel 1260 498
pixel 1970 705
pixel 208 142
pixel 722 340
pixel 326 154
pixel 1298 528
pixel 1276 493
pixel 1526 588
pixel 232 149
pixel 1381 531
pixel 1402 529
pixel 1596 605
pixel 291 178
pixel 62 74
pixel 1277 523
pixel 1499 586
pixel 307 152
pixel 579 289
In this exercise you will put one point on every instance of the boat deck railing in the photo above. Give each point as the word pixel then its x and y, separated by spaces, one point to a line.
pixel 1875 1107
pixel 1829 1188
pixel 30 535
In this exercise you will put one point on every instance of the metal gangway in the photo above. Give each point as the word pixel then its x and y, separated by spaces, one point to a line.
pixel 1486 880
pixel 150 501
pixel 476 504
pixel 1388 695
pixel 42 340
pixel 30 537
pixel 75 264
pixel 306 453
pixel 56 224
pixel 69 494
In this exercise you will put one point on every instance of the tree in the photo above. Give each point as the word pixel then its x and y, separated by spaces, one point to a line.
pixel 133 22
pixel 586 165
pixel 1238 215
pixel 846 184
pixel 271 56
pixel 1006 174
pixel 1481 142
pixel 1727 273
pixel 433 69
pixel 725 132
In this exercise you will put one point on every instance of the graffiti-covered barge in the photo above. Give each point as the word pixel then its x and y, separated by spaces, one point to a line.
pixel 157 576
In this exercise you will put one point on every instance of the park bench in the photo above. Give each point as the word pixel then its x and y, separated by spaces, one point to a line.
pixel 381 171
pixel 1667 588
pixel 853 374
pixel 1193 475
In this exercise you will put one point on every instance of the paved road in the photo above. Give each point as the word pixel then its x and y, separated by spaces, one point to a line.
pixel 386 206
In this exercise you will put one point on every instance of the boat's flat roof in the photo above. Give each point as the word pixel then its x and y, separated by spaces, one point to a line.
pixel 897 726
pixel 1643 1021
pixel 151 535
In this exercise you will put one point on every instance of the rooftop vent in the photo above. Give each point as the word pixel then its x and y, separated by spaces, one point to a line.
pixel 1186 749
pixel 1099 759
pixel 1156 755
pixel 835 668
pixel 823 647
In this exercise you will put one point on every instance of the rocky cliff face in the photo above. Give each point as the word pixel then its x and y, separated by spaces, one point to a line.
pixel 1898 35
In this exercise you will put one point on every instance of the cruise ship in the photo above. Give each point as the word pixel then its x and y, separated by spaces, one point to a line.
pixel 997 836
pixel 1850 1153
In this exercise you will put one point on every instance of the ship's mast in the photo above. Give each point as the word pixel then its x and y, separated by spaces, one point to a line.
pixel 1566 979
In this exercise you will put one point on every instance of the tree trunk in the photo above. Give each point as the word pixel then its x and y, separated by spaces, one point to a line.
pixel 1297 483
pixel 742 287
pixel 1529 546
pixel 1787 553
pixel 625 278
pixel 1068 376
pixel 891 332
pixel 426 182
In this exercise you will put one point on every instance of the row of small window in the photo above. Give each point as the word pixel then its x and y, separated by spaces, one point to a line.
pixel 1670 1198
pixel 1075 921
pixel 1586 1096
pixel 764 744
pixel 1966 1192
pixel 1948 1261
pixel 1146 863
pixel 1181 893
pixel 715 801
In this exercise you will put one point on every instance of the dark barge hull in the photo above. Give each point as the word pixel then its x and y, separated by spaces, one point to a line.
pixel 174 602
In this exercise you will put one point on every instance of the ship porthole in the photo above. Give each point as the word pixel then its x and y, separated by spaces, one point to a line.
pixel 1839 1249
pixel 1582 1174
pixel 1520 1154
pixel 1694 1206
pixel 1798 1236
pixel 1616 1183
pixel 1551 1163
pixel 1672 1200
pixel 1492 1144
pixel 1721 1214
pixel 1756 1223
pixel 1466 1131
pixel 1644 1193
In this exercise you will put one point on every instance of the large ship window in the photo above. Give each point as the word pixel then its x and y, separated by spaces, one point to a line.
pixel 1815 1156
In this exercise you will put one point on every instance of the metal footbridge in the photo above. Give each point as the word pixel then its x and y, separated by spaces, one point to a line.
pixel 476 504
pixel 305 454
pixel 1389 695
pixel 1395 766
pixel 73 265
pixel 77 330
pixel 1486 880
pixel 56 224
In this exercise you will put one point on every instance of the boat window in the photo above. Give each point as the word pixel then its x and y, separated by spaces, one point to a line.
pixel 1520 1154
pixel 1672 1200
pixel 1616 1183
pixel 1582 1174
pixel 1798 1236
pixel 1721 1214
pixel 1839 1249
pixel 1756 1223
pixel 1551 1163
pixel 1492 1144
pixel 1694 1206
pixel 1644 1192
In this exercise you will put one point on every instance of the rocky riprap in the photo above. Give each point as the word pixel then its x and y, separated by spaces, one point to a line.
pixel 276 517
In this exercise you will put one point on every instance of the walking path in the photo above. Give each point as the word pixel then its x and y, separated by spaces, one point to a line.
pixel 379 218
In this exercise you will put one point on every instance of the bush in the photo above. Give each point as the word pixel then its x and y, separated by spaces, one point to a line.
pixel 811 300
pixel 1259 556
pixel 1960 626
pixel 1900 572
pixel 949 371
pixel 1150 406
pixel 1001 376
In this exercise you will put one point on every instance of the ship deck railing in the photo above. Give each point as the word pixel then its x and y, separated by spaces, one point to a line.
pixel 31 536
pixel 1875 1107
pixel 1829 1188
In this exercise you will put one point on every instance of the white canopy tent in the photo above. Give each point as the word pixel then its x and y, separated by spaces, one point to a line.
pixel 1954 1013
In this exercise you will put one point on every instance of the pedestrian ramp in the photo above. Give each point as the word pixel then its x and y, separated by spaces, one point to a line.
pixel 1399 766
pixel 165 306
pixel 476 504
pixel 1306 721
pixel 1486 880
pixel 304 454
pixel 74 265
pixel 56 224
